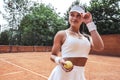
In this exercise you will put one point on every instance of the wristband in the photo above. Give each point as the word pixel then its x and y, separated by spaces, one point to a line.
pixel 91 26
pixel 57 60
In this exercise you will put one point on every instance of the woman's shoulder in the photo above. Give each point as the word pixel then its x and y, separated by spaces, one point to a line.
pixel 61 32
pixel 60 35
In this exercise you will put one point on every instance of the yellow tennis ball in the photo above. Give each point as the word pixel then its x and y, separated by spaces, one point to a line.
pixel 68 64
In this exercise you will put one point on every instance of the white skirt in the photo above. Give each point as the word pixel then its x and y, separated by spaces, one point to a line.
pixel 59 74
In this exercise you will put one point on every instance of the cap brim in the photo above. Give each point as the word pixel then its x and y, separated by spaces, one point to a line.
pixel 77 9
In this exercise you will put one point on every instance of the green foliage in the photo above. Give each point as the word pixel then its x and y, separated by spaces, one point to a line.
pixel 4 38
pixel 9 37
pixel 15 10
pixel 40 26
pixel 106 14
pixel 36 24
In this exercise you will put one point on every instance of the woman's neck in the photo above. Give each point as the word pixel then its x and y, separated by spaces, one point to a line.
pixel 75 32
pixel 73 29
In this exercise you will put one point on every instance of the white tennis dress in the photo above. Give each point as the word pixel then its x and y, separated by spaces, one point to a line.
pixel 72 47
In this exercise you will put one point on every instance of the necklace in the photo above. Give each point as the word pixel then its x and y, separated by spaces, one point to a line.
pixel 76 34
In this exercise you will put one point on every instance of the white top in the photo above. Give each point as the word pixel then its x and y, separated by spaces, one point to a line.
pixel 75 47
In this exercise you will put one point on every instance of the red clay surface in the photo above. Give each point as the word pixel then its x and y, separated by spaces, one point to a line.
pixel 37 66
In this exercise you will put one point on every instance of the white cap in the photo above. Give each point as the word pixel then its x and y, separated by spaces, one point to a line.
pixel 77 9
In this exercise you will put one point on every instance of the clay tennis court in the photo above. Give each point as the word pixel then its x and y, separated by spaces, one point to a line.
pixel 37 66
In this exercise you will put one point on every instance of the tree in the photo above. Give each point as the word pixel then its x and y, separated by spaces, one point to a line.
pixel 14 12
pixel 106 14
pixel 40 26
pixel 4 38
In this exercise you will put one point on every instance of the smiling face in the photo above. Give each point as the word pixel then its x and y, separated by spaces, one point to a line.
pixel 75 19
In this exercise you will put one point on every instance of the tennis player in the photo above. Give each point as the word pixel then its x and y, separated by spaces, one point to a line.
pixel 72 45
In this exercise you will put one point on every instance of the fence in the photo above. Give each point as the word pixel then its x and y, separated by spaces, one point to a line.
pixel 111 42
pixel 7 49
pixel 112 45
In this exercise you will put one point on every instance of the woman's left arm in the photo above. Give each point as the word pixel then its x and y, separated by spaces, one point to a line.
pixel 97 42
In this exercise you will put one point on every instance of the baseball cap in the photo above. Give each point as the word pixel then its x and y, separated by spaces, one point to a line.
pixel 77 8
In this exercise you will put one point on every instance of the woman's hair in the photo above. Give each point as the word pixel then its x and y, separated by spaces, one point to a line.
pixel 83 28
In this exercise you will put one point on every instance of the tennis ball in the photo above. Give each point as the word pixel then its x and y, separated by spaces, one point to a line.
pixel 68 64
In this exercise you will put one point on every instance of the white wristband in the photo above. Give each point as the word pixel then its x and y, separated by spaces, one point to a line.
pixel 57 60
pixel 91 26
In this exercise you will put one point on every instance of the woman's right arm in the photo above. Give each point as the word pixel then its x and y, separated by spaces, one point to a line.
pixel 56 45
pixel 58 41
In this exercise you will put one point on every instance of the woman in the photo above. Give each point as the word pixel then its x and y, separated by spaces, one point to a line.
pixel 74 46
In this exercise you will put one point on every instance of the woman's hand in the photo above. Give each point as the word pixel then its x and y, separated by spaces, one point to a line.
pixel 62 63
pixel 87 18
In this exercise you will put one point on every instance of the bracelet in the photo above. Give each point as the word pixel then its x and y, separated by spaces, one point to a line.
pixel 91 26
pixel 57 60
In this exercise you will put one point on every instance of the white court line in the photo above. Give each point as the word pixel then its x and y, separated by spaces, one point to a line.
pixel 24 68
pixel 11 73
pixel 108 73
pixel 103 63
